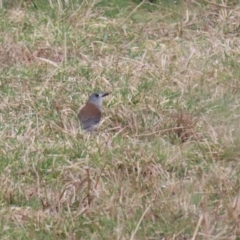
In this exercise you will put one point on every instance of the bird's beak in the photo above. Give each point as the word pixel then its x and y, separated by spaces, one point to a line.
pixel 105 94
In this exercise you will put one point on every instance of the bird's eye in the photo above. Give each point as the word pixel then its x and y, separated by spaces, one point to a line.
pixel 96 95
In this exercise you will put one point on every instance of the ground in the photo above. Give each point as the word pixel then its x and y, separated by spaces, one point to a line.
pixel 164 163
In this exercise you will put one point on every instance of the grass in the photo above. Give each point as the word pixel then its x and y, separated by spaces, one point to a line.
pixel 164 164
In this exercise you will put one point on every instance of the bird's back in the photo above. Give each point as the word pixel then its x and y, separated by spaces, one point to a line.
pixel 89 116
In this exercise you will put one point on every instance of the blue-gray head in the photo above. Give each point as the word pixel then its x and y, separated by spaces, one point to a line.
pixel 97 98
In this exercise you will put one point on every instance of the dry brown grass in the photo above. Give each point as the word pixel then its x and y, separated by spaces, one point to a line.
pixel 164 163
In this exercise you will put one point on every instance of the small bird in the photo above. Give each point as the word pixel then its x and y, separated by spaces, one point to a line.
pixel 90 114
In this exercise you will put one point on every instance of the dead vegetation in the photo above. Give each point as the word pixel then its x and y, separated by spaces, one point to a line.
pixel 164 163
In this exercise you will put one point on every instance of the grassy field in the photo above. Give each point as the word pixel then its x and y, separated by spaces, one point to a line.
pixel 165 162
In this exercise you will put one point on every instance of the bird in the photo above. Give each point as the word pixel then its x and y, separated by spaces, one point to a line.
pixel 90 114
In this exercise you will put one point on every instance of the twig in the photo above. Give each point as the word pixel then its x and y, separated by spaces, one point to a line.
pixel 139 222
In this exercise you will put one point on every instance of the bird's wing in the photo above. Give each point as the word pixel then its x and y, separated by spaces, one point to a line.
pixel 89 122
pixel 89 117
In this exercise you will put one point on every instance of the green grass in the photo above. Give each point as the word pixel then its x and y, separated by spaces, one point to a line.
pixel 164 163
